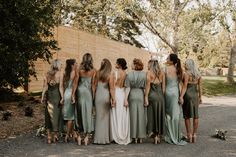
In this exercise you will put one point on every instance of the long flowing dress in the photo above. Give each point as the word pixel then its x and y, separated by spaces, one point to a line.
pixel 85 105
pixel 191 102
pixel 136 80
pixel 53 110
pixel 156 110
pixel 68 107
pixel 103 106
pixel 120 121
pixel 172 107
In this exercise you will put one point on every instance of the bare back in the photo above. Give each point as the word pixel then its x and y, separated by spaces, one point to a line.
pixel 156 79
pixel 171 72
pixel 83 73
pixel 120 76
pixel 55 80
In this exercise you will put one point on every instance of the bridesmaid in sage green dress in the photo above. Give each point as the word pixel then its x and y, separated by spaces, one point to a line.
pixel 68 107
pixel 104 100
pixel 135 84
pixel 154 100
pixel 191 97
pixel 53 96
pixel 172 107
pixel 84 84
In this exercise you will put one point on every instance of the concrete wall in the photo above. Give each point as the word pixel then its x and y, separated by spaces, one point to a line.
pixel 74 43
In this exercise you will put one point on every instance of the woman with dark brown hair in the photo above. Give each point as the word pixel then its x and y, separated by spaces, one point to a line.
pixel 120 123
pixel 172 107
pixel 83 83
pixel 104 100
pixel 135 84
pixel 66 86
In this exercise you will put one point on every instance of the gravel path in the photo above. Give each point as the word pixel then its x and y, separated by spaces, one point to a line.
pixel 217 112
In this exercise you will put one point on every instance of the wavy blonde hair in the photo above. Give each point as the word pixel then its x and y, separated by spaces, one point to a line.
pixel 153 65
pixel 55 66
pixel 191 68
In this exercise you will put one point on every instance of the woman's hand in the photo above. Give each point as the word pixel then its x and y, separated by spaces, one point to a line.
pixel 126 103
pixel 62 101
pixel 181 100
pixel 113 103
pixel 200 100
pixel 42 100
pixel 146 101
pixel 72 99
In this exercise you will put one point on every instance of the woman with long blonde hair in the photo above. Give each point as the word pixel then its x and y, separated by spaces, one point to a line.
pixel 51 96
pixel 191 98
pixel 85 94
pixel 154 100
pixel 104 100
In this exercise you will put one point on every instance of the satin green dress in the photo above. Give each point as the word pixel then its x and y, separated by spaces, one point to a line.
pixel 191 102
pixel 85 105
pixel 136 80
pixel 156 110
pixel 172 116
pixel 103 106
pixel 68 107
pixel 53 110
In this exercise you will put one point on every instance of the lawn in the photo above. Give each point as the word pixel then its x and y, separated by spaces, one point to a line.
pixel 214 86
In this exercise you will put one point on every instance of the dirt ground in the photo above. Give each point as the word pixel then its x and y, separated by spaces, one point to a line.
pixel 18 123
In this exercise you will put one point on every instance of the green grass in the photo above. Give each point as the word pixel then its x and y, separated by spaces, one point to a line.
pixel 217 86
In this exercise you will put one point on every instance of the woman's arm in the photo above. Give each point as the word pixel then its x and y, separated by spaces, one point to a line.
pixel 94 84
pixel 112 89
pixel 75 85
pixel 147 89
pixel 200 90
pixel 62 87
pixel 184 87
pixel 163 82
pixel 45 88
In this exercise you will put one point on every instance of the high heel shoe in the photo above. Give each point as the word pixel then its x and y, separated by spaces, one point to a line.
pixel 135 140
pixel 86 141
pixel 194 138
pixel 189 138
pixel 49 140
pixel 140 140
pixel 55 139
pixel 67 138
pixel 79 140
pixel 155 139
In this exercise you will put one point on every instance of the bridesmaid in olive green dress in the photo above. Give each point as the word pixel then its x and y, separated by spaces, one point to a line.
pixel 172 107
pixel 135 83
pixel 191 97
pixel 83 83
pixel 68 107
pixel 104 100
pixel 154 99
pixel 53 97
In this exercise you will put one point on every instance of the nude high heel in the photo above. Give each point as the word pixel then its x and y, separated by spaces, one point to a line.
pixel 194 138
pixel 79 140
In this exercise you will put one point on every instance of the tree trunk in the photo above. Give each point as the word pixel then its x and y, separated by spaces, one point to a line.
pixel 230 77
pixel 175 26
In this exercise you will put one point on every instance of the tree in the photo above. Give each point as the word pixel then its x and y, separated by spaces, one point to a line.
pixel 26 34
pixel 100 17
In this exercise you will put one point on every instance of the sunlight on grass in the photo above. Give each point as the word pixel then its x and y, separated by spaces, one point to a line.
pixel 215 86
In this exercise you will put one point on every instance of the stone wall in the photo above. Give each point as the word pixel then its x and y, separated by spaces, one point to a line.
pixel 74 43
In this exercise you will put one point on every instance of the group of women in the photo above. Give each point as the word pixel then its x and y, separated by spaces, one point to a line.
pixel 128 106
